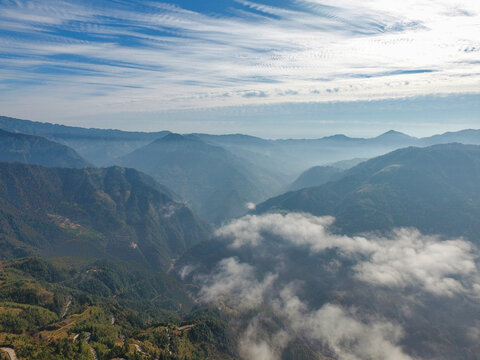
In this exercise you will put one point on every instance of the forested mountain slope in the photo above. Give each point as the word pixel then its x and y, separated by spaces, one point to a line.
pixel 434 189
pixel 113 212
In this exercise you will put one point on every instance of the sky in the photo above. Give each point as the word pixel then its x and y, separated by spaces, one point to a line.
pixel 284 68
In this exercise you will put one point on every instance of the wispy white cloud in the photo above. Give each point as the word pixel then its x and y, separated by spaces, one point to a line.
pixel 339 328
pixel 405 259
pixel 336 328
pixel 236 283
pixel 176 58
pixel 382 286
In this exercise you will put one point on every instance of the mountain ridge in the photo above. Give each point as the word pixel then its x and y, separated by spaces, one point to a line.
pixel 413 186
pixel 10 122
pixel 36 150
pixel 216 183
pixel 98 146
pixel 112 212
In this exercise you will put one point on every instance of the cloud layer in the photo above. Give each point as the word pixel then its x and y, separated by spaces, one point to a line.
pixel 406 258
pixel 346 336
pixel 371 288
pixel 237 282
pixel 105 56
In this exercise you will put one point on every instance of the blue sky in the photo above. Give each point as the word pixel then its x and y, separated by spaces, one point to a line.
pixel 300 68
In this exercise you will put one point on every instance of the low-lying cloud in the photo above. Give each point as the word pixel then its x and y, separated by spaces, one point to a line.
pixel 260 272
pixel 331 327
pixel 238 283
pixel 405 258
pixel 339 329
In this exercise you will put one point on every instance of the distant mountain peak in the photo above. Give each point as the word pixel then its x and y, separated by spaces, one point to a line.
pixel 394 133
pixel 174 137
pixel 337 137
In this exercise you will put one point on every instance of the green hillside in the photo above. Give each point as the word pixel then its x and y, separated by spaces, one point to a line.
pixel 62 309
pixel 100 213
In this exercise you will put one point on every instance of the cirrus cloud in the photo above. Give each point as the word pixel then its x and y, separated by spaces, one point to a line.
pixel 117 56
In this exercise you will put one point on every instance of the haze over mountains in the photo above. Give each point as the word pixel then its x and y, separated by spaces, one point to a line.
pixel 286 158
pixel 363 259
pixel 216 183
pixel 217 175
pixel 316 176
pixel 96 145
pixel 38 151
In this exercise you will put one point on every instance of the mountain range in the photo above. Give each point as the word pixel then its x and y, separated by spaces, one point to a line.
pixel 434 189
pixel 285 158
pixel 217 184
pixel 100 213
pixel 372 252
pixel 290 157
pixel 97 146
